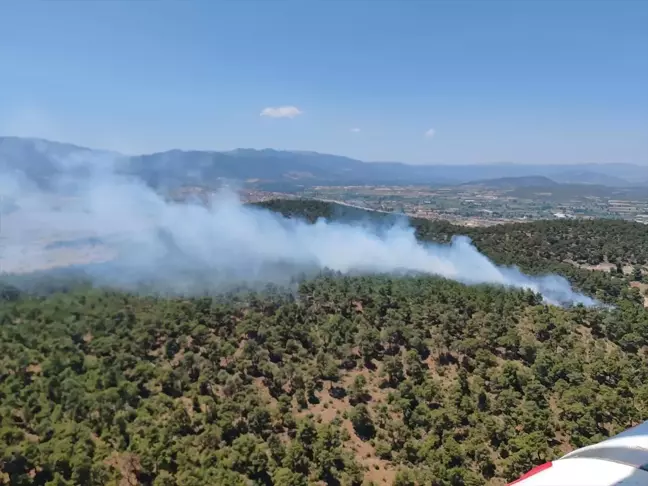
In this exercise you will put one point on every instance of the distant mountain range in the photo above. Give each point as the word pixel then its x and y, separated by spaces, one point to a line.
pixel 534 187
pixel 41 160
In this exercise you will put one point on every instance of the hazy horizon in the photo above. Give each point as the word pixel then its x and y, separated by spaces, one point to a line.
pixel 135 154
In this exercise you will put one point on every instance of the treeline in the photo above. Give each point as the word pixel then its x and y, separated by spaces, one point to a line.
pixel 351 381
pixel 582 241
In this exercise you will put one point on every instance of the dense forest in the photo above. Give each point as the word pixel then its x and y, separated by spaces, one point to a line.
pixel 349 380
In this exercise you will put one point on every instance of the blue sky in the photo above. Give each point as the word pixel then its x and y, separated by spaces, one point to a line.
pixel 519 81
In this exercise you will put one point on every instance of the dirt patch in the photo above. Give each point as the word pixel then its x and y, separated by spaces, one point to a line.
pixel 373 378
pixel 32 437
pixel 96 439
pixel 643 288
pixel 128 466
pixel 601 267
pixel 329 408
pixel 377 470
pixel 447 374
pixel 263 390
pixel 561 438
pixel 187 403
pixel 606 267
pixel 178 357
pixel 326 411
pixel 34 369
pixel 226 361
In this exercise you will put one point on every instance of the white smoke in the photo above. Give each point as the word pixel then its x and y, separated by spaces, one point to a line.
pixel 184 246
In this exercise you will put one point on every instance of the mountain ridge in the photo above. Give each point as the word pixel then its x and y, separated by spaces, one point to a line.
pixel 512 182
pixel 42 159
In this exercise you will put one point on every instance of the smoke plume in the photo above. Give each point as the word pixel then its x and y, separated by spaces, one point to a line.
pixel 87 217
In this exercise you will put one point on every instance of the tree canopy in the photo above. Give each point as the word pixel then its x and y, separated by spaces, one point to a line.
pixel 347 380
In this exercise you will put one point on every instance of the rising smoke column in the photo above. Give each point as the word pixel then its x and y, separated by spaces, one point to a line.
pixel 190 247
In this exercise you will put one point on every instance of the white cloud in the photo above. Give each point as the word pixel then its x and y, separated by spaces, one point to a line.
pixel 281 111
pixel 430 133
pixel 355 130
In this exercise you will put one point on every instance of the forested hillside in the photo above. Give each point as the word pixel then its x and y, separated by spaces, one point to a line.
pixel 535 243
pixel 537 247
pixel 348 380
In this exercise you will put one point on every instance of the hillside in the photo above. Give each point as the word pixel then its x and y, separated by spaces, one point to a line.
pixel 513 182
pixel 576 176
pixel 41 160
pixel 375 378
pixel 348 381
